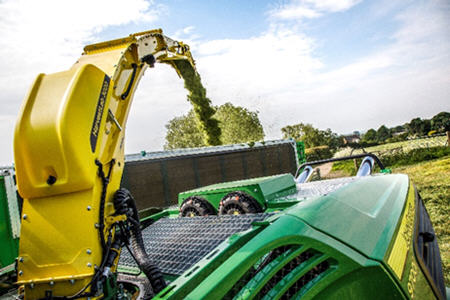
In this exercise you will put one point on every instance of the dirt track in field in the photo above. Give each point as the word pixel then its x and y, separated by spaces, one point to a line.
pixel 325 169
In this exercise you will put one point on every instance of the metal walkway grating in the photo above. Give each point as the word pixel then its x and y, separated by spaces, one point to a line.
pixel 175 244
pixel 322 187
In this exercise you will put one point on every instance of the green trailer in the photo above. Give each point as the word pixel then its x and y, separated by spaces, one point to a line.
pixel 156 178
pixel 9 227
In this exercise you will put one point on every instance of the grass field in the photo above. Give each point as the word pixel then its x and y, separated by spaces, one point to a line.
pixel 404 146
pixel 432 179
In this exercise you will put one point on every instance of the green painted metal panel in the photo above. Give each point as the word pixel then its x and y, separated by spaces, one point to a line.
pixel 239 183
pixel 363 215
pixel 351 229
pixel 278 186
pixel 263 189
pixel 9 235
pixel 301 156
pixel 349 273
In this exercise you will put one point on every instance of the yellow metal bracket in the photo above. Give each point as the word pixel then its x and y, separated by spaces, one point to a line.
pixel 109 220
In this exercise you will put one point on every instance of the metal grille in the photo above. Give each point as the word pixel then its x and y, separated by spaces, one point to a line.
pixel 175 244
pixel 271 288
pixel 290 266
pixel 264 261
pixel 323 187
pixel 305 279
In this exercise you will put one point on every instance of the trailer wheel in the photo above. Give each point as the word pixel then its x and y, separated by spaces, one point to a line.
pixel 238 203
pixel 195 206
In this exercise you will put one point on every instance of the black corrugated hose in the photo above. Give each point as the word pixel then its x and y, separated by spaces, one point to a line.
pixel 124 204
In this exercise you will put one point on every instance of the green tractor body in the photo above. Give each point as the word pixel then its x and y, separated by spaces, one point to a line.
pixel 362 237
pixel 349 238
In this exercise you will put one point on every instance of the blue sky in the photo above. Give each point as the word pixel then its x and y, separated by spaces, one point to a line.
pixel 344 36
pixel 340 64
pixel 212 19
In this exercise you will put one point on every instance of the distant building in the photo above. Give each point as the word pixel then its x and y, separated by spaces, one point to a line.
pixel 351 139
pixel 399 133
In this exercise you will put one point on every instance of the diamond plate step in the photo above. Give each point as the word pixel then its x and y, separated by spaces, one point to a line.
pixel 175 244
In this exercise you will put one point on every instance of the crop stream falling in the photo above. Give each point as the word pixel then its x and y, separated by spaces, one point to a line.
pixel 200 103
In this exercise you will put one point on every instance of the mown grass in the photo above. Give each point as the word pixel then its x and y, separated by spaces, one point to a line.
pixel 404 146
pixel 432 179
pixel 414 156
pixel 344 168
pixel 398 159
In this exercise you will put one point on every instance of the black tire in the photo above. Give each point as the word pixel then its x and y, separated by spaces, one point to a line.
pixel 195 206
pixel 238 203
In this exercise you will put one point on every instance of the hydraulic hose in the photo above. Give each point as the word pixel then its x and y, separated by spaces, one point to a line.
pixel 124 204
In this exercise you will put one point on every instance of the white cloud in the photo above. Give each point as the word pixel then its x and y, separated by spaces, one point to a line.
pixel 32 31
pixel 188 29
pixel 279 74
pixel 309 9
pixel 183 32
pixel 332 5
pixel 295 12
pixel 6 134
pixel 258 65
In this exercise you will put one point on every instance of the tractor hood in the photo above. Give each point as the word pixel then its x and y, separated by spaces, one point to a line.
pixel 372 205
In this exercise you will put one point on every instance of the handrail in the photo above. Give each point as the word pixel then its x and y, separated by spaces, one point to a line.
pixel 323 161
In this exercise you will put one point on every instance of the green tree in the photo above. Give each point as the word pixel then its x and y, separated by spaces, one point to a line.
pixel 184 132
pixel 418 127
pixel 312 137
pixel 320 144
pixel 383 134
pixel 397 129
pixel 237 124
pixel 426 127
pixel 370 135
pixel 441 122
pixel 369 138
pixel 414 126
pixel 295 132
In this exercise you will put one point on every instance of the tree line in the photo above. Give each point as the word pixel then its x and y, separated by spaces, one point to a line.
pixel 241 125
pixel 415 128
